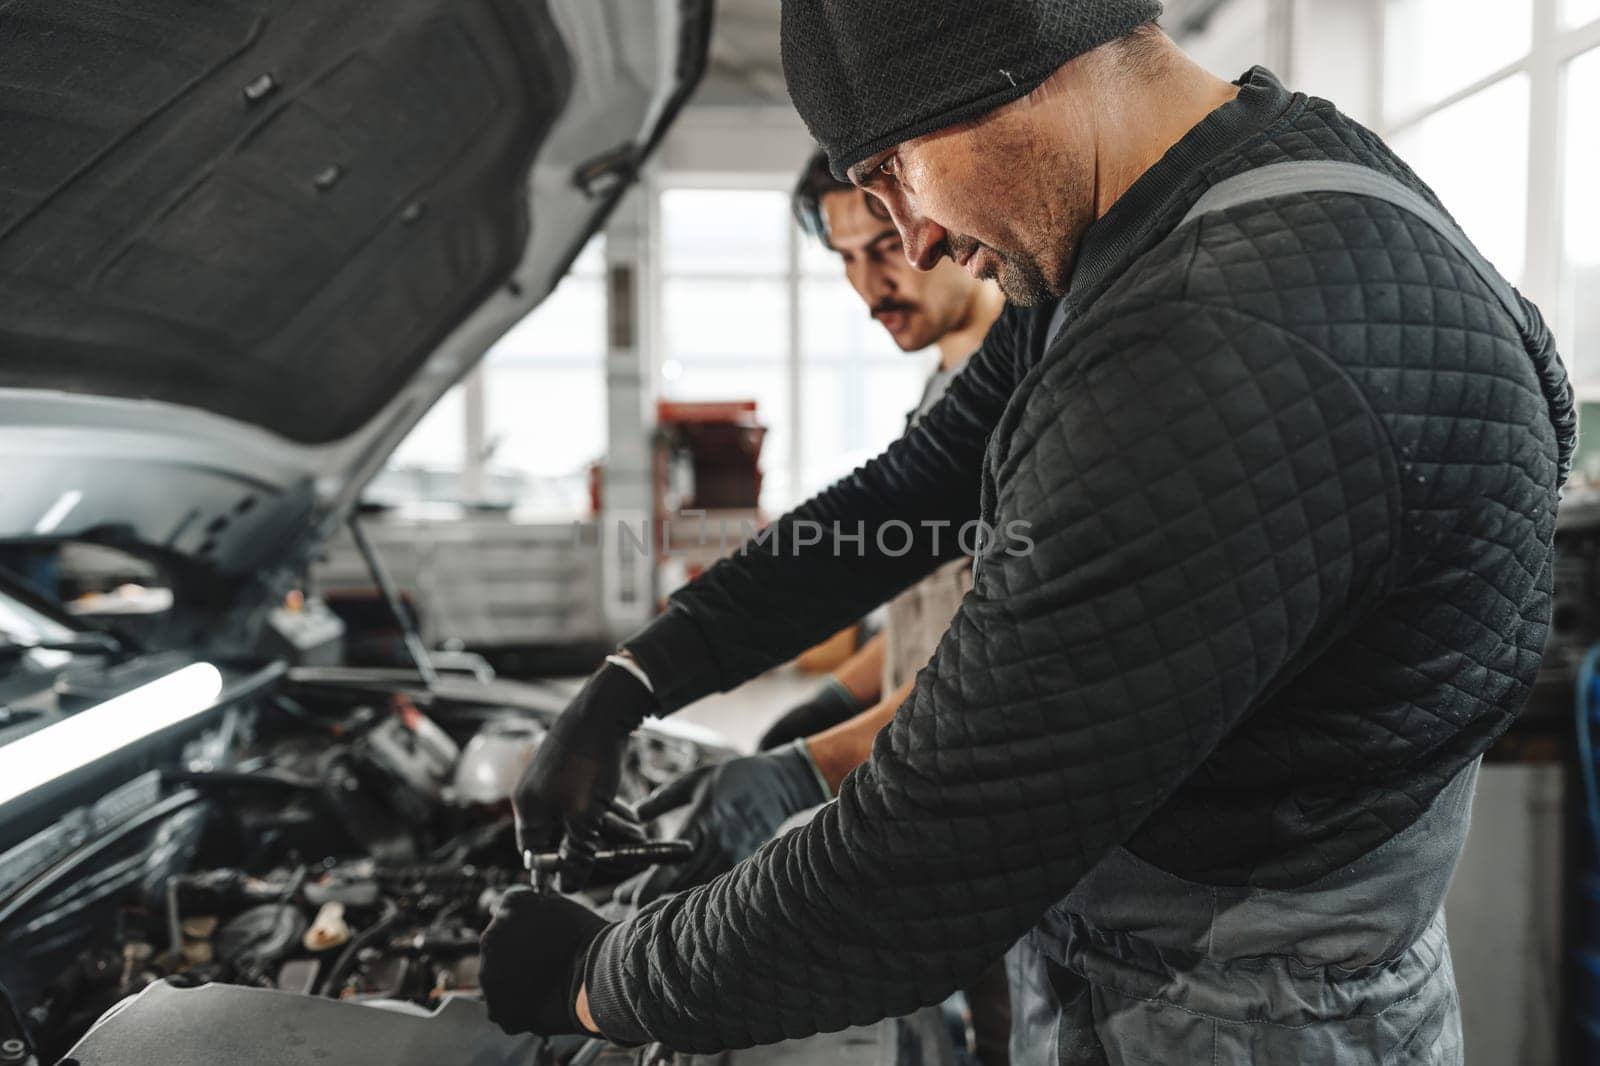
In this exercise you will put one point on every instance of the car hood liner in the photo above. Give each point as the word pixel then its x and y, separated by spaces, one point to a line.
pixel 272 212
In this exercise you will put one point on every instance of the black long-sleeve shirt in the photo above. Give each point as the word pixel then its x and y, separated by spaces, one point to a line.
pixel 1289 477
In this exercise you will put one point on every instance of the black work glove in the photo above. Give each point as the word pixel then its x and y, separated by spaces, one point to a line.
pixel 832 704
pixel 531 964
pixel 735 808
pixel 570 786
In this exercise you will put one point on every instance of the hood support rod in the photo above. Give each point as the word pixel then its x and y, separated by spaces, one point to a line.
pixel 397 606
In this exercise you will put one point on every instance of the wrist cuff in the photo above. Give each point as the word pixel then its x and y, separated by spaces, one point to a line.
pixel 626 662
pixel 676 658
pixel 844 695
pixel 816 771
pixel 609 1002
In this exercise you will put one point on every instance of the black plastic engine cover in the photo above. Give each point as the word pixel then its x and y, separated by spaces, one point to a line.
pixel 259 1027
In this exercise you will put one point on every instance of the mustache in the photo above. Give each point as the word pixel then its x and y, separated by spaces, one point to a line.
pixel 884 307
pixel 958 246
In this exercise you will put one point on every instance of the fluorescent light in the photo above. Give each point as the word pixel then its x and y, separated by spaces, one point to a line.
pixel 75 742
pixel 58 511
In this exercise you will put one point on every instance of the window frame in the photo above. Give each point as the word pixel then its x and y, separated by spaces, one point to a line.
pixel 1545 64
pixel 474 473
pixel 746 181
pixel 789 470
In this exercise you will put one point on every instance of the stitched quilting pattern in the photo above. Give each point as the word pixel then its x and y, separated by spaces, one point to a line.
pixel 1292 481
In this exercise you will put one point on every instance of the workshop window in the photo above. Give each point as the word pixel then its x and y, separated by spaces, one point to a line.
pixel 1229 39
pixel 437 446
pixel 751 308
pixel 1474 153
pixel 544 395
pixel 725 232
pixel 1434 48
pixel 1495 110
pixel 539 401
pixel 725 300
pixel 1580 258
pixel 856 387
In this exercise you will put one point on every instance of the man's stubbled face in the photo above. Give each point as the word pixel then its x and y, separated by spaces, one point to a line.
pixel 916 308
pixel 990 197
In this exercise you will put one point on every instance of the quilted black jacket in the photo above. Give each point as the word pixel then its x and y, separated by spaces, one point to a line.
pixel 1290 477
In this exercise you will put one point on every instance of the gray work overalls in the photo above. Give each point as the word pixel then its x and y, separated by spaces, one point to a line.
pixel 1137 966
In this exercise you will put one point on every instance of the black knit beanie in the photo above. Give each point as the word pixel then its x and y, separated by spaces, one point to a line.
pixel 868 74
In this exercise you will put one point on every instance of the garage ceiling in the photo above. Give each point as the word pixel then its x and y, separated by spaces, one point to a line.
pixel 746 69
pixel 745 63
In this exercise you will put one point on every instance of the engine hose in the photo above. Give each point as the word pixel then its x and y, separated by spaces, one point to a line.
pixel 297 881
pixel 93 852
pixel 446 912
pixel 174 919
pixel 266 779
pixel 329 983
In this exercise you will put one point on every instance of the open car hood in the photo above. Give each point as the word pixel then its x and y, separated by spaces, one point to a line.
pixel 244 246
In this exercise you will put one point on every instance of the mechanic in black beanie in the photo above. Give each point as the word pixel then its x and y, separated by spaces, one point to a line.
pixel 1199 753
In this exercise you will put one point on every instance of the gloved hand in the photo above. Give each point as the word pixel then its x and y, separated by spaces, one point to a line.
pixel 532 958
pixel 571 784
pixel 833 703
pixel 735 808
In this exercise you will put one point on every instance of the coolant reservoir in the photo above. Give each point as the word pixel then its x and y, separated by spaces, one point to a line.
pixel 494 759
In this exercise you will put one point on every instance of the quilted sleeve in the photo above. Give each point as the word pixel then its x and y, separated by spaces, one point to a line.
pixel 857 544
pixel 1211 502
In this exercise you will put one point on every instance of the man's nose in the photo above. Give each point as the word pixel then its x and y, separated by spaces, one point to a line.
pixel 925 244
pixel 880 282
pixel 923 238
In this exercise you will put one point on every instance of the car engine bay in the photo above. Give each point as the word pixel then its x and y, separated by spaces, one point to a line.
pixel 334 839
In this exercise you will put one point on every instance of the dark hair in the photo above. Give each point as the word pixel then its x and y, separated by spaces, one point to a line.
pixel 816 181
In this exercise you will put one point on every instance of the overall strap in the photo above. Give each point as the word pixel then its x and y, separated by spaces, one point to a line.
pixel 1318 175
